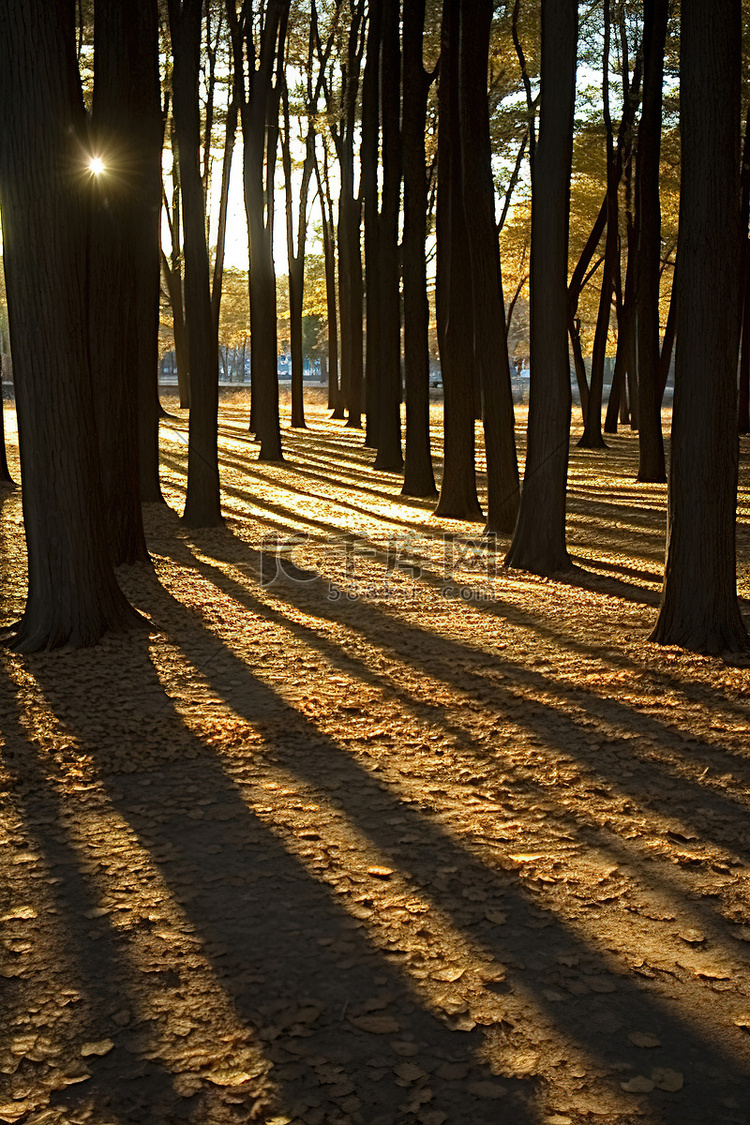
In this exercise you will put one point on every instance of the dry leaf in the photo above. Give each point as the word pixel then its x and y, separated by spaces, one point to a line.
pixel 496 916
pixel 98 1047
pixel 665 1079
pixel 380 872
pixel 228 1077
pixel 643 1039
pixel 638 1085
pixel 449 975
pixel 409 1072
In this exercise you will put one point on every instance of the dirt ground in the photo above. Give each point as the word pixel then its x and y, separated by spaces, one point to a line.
pixel 368 830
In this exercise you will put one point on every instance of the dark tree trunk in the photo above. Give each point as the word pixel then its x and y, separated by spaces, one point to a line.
pixel 259 115
pixel 73 597
pixel 699 608
pixel 490 344
pixel 146 125
pixel 335 398
pixel 172 272
pixel 539 539
pixel 389 456
pixel 114 320
pixel 350 217
pixel 743 422
pixel 419 479
pixel 296 255
pixel 6 480
pixel 592 431
pixel 202 505
pixel 648 218
pixel 455 313
pixel 369 155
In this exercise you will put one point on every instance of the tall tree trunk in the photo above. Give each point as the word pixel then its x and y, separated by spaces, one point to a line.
pixel 369 155
pixel 114 312
pixel 145 220
pixel 591 437
pixel 455 313
pixel 389 456
pixel 349 222
pixel 260 130
pixel 539 539
pixel 73 597
pixel 6 480
pixel 490 344
pixel 419 479
pixel 202 505
pixel 335 397
pixel 699 608
pixel 651 465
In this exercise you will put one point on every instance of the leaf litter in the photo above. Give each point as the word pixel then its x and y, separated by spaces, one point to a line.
pixel 297 796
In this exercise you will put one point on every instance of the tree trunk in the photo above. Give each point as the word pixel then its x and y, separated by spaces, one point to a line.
pixel 6 480
pixel 539 539
pixel 73 597
pixel 651 465
pixel 147 128
pixel 116 202
pixel 455 313
pixel 389 456
pixel 335 398
pixel 419 479
pixel 259 130
pixel 490 344
pixel 369 155
pixel 203 504
pixel 699 608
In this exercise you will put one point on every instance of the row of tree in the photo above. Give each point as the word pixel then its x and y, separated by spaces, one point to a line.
pixel 83 261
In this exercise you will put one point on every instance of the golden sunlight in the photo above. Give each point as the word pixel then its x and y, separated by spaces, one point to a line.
pixel 96 166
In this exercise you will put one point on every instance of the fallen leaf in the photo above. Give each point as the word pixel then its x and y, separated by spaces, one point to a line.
pixel 409 1072
pixel 665 1079
pixel 97 1047
pixel 600 984
pixel 643 1039
pixel 449 975
pixel 380 872
pixel 498 917
pixel 228 1077
pixel 403 1047
pixel 638 1085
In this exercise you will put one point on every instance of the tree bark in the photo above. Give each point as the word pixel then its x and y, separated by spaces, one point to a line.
pixel 455 313
pixel 389 456
pixel 490 343
pixel 648 211
pixel 699 608
pixel 114 322
pixel 419 479
pixel 73 597
pixel 539 539
pixel 203 504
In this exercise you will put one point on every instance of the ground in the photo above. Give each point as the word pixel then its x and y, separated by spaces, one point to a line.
pixel 368 830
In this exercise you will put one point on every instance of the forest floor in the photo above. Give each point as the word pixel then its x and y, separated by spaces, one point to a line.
pixel 379 834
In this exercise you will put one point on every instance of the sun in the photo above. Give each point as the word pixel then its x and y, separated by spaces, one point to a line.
pixel 96 166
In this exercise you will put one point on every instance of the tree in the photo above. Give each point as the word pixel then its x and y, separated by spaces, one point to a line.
pixel 539 538
pixel 117 315
pixel 73 597
pixel 699 608
pixel 648 259
pixel 455 315
pixel 6 480
pixel 258 40
pixel 419 479
pixel 203 504
pixel 490 343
